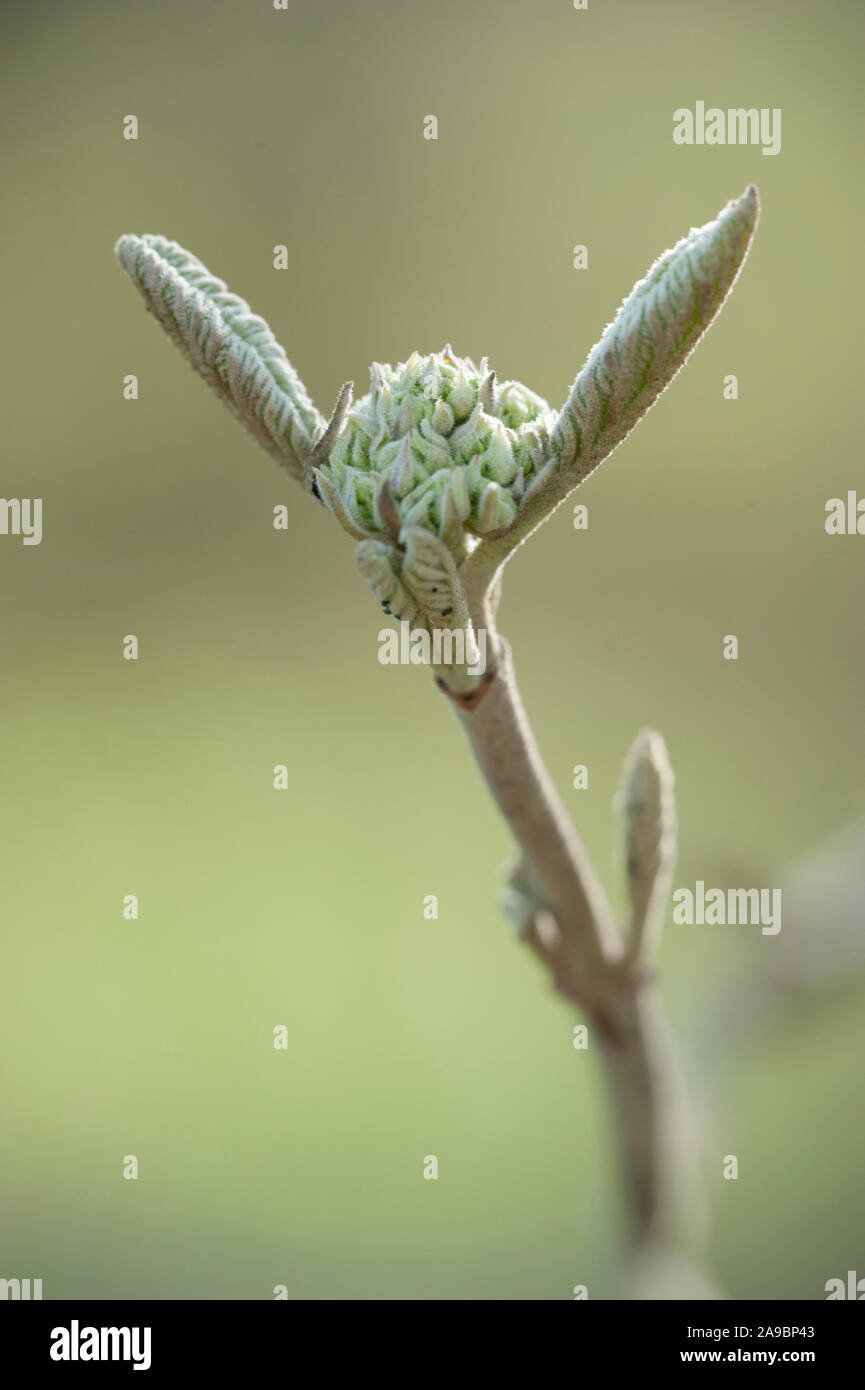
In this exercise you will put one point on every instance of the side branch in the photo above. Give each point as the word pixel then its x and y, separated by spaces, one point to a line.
pixel 569 925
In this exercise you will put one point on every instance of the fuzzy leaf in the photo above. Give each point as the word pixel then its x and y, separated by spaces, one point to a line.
pixel 653 335
pixel 430 574
pixel 227 344
pixel 379 565
pixel 647 807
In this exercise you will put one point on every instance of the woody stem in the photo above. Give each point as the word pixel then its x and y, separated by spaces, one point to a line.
pixel 584 951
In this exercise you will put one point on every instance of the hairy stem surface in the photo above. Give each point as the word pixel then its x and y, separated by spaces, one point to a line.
pixel 573 932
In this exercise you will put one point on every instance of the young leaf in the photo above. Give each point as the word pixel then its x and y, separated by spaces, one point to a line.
pixel 652 336
pixel 227 344
pixel 647 806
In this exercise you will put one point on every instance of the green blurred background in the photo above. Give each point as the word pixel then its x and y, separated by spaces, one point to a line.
pixel 407 1037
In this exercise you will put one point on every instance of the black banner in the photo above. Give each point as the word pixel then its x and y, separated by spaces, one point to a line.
pixel 218 1339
